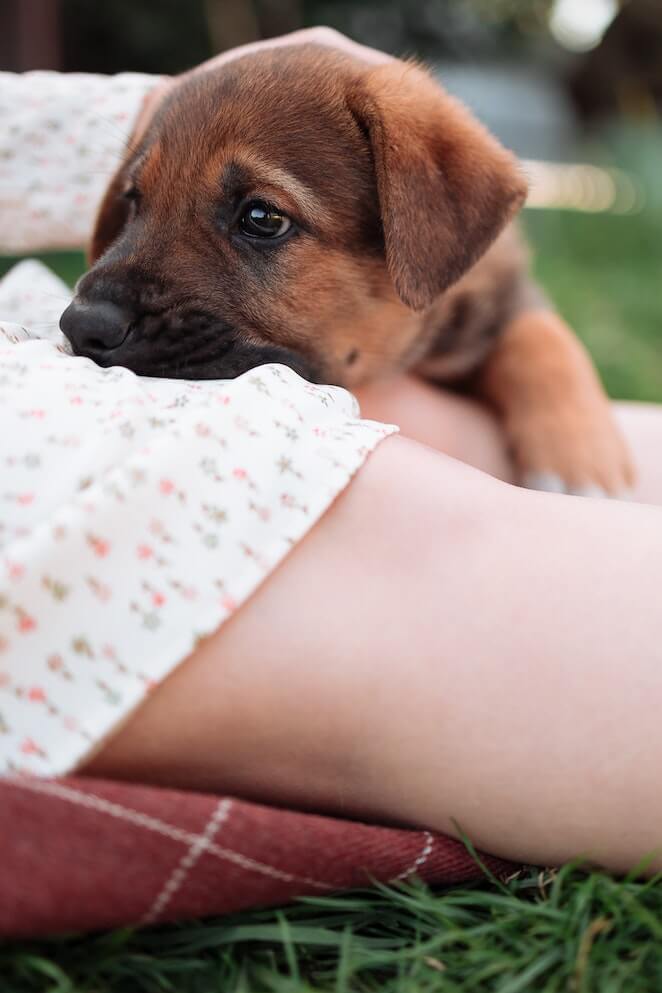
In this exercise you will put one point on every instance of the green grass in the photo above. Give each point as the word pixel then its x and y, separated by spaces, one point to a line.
pixel 67 265
pixel 604 273
pixel 549 932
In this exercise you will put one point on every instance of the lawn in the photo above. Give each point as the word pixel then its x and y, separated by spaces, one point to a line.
pixel 582 932
pixel 549 932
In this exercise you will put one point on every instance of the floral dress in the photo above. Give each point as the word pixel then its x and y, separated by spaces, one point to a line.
pixel 136 514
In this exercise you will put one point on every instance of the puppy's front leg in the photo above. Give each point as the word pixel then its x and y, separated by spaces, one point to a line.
pixel 555 411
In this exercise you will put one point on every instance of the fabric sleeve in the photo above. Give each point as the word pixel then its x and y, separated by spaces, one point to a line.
pixel 61 139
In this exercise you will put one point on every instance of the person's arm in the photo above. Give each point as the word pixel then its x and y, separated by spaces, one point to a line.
pixel 442 648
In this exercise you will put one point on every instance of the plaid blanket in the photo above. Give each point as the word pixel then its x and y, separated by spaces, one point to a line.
pixel 81 854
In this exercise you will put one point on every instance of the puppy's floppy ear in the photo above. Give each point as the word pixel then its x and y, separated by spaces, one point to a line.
pixel 446 187
pixel 113 212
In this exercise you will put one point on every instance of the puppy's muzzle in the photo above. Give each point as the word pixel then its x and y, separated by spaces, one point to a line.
pixel 95 328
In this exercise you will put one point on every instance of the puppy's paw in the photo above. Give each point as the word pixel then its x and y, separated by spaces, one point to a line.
pixel 578 452
pixel 548 482
pixel 558 420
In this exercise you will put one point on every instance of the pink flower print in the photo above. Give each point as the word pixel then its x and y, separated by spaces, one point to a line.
pixel 262 512
pixel 25 499
pixel 287 500
pixel 30 747
pixel 243 424
pixel 37 412
pixel 166 486
pixel 144 552
pixel 187 592
pixel 76 401
pixel 239 473
pixel 251 553
pixel 25 622
pixel 100 590
pixel 202 430
pixel 15 570
pixel 71 724
pixel 99 546
pixel 229 603
pixel 55 662
pixel 158 599
pixel 36 694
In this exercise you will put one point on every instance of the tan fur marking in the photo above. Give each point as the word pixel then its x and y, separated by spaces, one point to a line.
pixel 272 181
pixel 542 382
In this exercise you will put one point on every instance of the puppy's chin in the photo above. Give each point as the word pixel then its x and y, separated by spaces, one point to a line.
pixel 231 361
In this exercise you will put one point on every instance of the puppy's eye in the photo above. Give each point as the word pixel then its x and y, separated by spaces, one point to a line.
pixel 132 194
pixel 261 220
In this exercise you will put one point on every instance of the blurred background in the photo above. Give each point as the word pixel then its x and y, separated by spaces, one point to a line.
pixel 572 86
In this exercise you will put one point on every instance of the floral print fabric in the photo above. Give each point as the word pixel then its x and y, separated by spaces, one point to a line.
pixel 61 138
pixel 136 514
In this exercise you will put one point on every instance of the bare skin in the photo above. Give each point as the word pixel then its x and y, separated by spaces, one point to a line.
pixel 441 648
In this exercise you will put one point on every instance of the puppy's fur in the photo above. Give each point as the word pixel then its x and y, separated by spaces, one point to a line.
pixel 400 255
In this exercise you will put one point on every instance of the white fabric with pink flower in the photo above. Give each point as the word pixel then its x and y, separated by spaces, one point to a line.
pixel 135 514
pixel 62 136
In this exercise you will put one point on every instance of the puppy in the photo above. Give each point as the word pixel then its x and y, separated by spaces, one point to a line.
pixel 299 205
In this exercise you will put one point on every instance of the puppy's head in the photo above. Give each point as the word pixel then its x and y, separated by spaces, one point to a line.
pixel 293 206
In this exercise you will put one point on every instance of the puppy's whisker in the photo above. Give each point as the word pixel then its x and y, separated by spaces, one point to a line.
pixel 125 136
pixel 109 123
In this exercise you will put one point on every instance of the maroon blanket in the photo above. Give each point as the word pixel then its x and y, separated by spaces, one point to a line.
pixel 78 854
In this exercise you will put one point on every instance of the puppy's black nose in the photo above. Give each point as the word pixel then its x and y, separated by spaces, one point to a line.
pixel 96 326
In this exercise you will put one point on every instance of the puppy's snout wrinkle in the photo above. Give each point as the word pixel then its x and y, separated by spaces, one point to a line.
pixel 95 326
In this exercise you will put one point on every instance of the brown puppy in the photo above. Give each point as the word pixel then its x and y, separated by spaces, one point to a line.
pixel 301 206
